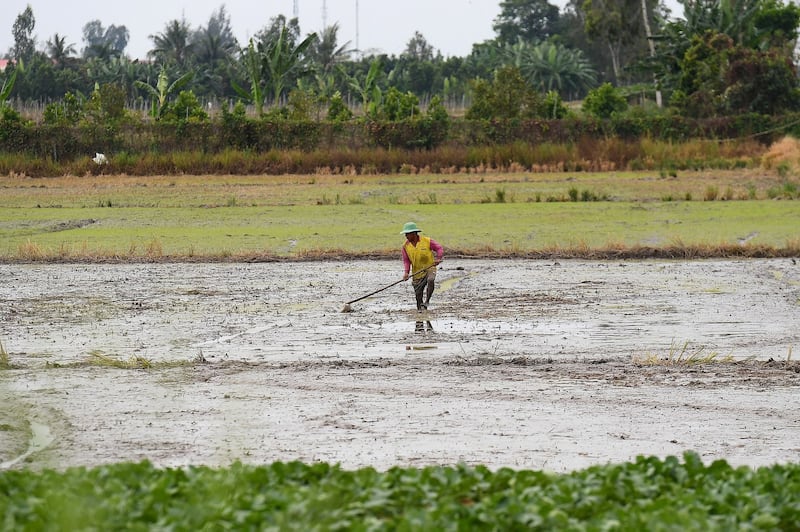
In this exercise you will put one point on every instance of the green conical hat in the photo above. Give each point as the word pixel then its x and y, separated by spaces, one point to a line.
pixel 410 227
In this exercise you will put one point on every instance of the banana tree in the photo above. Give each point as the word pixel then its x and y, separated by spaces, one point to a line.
pixel 367 87
pixel 251 60
pixel 281 59
pixel 8 85
pixel 163 90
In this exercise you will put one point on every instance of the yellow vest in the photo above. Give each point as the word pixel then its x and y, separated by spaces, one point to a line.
pixel 420 256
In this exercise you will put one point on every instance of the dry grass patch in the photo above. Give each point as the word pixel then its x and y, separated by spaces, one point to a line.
pixel 98 359
pixel 4 361
pixel 30 251
pixel 783 155
pixel 682 356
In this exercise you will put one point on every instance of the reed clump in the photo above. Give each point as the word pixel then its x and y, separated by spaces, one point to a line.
pixel 573 250
pixel 682 356
pixel 586 154
pixel 782 156
pixel 4 360
pixel 96 358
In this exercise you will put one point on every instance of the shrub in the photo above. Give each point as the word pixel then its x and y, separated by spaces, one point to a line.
pixel 12 129
pixel 67 112
pixel 186 108
pixel 237 131
pixel 604 101
pixel 301 106
pixel 508 96
pixel 553 106
pixel 398 106
pixel 338 110
pixel 106 105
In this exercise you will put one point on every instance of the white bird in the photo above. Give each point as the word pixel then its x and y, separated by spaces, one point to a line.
pixel 99 158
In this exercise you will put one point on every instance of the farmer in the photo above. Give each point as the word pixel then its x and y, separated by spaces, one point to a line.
pixel 421 255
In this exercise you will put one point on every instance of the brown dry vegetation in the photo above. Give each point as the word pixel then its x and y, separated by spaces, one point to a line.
pixel 33 253
pixel 586 155
pixel 785 152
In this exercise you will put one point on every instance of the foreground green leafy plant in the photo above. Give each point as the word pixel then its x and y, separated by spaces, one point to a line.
pixel 648 494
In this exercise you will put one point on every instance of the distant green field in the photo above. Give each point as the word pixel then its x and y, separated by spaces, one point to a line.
pixel 287 216
pixel 363 228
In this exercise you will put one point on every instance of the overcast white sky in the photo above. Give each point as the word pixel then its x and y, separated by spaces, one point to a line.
pixel 451 26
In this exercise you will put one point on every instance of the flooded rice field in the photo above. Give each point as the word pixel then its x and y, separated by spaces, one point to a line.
pixel 551 365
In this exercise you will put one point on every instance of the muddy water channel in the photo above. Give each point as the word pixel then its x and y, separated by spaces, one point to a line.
pixel 537 364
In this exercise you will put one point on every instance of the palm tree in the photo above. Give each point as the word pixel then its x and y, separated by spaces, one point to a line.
pixel 215 48
pixel 173 45
pixel 118 70
pixel 101 50
pixel 326 53
pixel 215 42
pixel 58 49
pixel 552 67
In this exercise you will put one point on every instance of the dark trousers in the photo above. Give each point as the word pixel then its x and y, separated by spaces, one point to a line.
pixel 419 291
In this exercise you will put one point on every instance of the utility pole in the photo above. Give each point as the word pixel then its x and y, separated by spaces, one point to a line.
pixel 652 49
pixel 324 14
pixel 296 8
pixel 358 50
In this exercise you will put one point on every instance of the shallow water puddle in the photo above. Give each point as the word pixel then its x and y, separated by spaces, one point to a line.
pixel 458 326
pixel 41 438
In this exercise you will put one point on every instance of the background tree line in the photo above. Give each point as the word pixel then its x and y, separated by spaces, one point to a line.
pixel 722 57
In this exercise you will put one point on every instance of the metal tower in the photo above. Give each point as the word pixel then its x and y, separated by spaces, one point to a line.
pixel 358 50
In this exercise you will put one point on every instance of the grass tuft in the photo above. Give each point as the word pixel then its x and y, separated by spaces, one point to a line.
pixel 30 251
pixel 682 356
pixel 782 156
pixel 4 361
pixel 97 358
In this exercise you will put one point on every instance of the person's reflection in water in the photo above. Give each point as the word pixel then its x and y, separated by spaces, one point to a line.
pixel 423 327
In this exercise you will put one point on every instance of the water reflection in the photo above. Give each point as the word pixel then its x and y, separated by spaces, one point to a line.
pixel 423 326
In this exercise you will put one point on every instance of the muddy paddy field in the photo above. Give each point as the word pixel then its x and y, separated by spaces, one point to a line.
pixel 545 364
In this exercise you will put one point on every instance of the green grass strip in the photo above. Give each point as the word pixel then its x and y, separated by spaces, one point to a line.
pixel 290 230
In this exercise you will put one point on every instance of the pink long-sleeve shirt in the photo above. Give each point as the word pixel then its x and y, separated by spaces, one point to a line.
pixel 437 249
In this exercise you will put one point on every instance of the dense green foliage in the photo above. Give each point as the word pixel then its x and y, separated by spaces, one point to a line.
pixel 718 58
pixel 647 494
pixel 604 102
